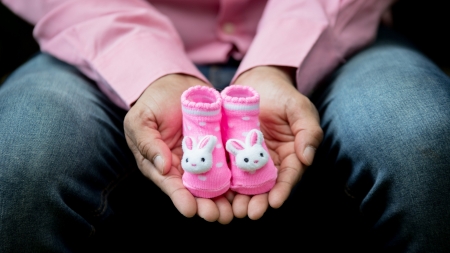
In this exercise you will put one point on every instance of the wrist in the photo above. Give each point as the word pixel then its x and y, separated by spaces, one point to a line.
pixel 183 81
pixel 262 75
pixel 172 83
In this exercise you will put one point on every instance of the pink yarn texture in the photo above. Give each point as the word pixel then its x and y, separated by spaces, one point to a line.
pixel 252 168
pixel 206 173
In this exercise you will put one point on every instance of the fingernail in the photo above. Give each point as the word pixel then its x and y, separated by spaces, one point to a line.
pixel 158 161
pixel 309 153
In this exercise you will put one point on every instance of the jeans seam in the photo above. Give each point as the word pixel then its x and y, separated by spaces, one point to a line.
pixel 347 192
pixel 105 193
pixel 93 231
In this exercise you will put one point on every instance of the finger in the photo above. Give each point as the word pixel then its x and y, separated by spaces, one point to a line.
pixel 207 209
pixel 184 202
pixel 258 206
pixel 240 205
pixel 229 195
pixel 154 149
pixel 144 136
pixel 289 174
pixel 306 143
pixel 172 185
pixel 305 124
pixel 225 210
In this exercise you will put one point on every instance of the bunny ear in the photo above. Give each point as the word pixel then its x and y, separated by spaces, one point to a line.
pixel 188 143
pixel 235 146
pixel 208 142
pixel 254 137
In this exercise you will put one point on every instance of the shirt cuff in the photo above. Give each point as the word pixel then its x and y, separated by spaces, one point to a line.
pixel 125 71
pixel 284 43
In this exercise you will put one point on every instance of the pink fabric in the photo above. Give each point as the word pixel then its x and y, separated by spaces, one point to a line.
pixel 125 45
pixel 201 107
pixel 240 129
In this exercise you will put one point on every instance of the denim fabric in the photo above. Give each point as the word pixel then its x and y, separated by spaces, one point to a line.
pixel 386 119
pixel 219 75
pixel 62 150
pixel 380 180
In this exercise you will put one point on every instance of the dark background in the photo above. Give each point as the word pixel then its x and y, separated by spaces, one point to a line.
pixel 426 23
pixel 16 42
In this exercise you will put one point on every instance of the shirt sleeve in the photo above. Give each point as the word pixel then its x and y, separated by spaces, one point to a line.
pixel 312 36
pixel 123 45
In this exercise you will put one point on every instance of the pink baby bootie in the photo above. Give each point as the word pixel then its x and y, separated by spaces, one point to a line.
pixel 206 173
pixel 252 168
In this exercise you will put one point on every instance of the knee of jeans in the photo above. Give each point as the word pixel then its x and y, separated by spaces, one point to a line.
pixel 51 146
pixel 397 142
pixel 406 138
pixel 48 122
pixel 391 113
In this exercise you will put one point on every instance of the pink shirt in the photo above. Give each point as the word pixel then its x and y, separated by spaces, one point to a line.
pixel 125 45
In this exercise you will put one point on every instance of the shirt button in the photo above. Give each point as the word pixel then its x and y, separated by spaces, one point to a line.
pixel 228 28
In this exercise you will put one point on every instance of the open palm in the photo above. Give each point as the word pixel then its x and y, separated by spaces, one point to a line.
pixel 290 124
pixel 153 129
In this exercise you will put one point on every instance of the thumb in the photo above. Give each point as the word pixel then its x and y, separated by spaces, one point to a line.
pixel 305 124
pixel 306 146
pixel 146 143
pixel 154 149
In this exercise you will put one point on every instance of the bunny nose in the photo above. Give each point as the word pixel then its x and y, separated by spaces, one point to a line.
pixel 255 161
pixel 194 164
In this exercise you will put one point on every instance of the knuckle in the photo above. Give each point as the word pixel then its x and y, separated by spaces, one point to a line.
pixel 317 132
pixel 292 175
pixel 145 148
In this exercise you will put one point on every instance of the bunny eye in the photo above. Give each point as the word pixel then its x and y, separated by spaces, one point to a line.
pixel 187 160
pixel 261 154
pixel 203 159
pixel 246 160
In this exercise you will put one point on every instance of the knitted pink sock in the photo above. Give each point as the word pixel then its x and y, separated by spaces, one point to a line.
pixel 206 173
pixel 252 168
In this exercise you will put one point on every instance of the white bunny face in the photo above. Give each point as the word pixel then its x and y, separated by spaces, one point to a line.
pixel 249 156
pixel 197 158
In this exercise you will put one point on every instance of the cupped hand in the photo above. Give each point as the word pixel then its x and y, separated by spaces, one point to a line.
pixel 153 130
pixel 290 124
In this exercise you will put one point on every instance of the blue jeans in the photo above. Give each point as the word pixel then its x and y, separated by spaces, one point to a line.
pixel 380 180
